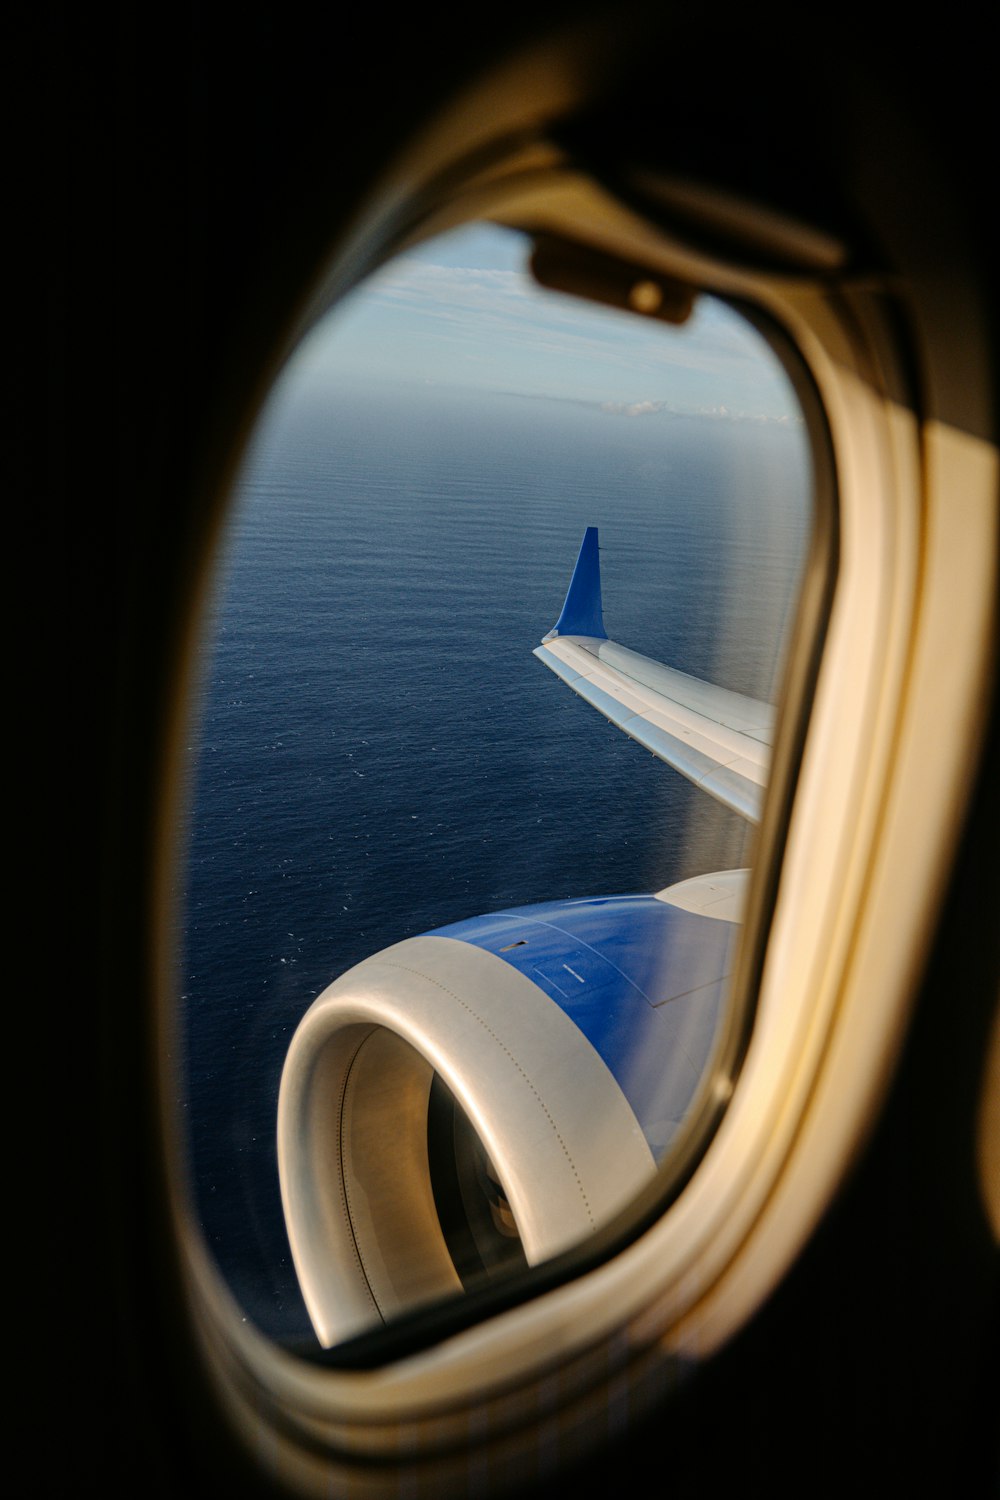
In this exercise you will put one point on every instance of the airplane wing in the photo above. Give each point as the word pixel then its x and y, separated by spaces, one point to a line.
pixel 719 740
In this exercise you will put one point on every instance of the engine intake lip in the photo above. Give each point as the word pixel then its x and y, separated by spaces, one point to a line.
pixel 356 1179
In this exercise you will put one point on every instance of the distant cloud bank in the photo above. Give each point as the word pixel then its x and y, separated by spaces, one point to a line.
pixel 672 409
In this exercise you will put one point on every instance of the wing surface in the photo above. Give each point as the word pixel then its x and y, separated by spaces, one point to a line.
pixel 719 740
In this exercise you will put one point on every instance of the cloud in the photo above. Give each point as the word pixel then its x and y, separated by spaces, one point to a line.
pixel 673 409
pixel 635 408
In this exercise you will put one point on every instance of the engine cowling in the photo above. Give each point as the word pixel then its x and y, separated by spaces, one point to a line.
pixel 491 1093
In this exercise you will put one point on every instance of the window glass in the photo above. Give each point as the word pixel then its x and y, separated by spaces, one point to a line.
pixel 377 755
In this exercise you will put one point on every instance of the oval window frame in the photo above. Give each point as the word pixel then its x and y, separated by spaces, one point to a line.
pixel 692 1278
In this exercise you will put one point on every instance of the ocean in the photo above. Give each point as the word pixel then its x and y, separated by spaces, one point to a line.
pixel 376 753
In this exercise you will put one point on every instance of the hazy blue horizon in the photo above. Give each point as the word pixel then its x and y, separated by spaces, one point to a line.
pixel 463 310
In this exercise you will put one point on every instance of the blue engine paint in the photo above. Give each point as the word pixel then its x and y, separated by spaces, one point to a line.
pixel 642 980
pixel 582 613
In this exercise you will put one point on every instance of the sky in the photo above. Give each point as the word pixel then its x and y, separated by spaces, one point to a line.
pixel 462 310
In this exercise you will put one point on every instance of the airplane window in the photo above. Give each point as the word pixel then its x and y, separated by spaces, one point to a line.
pixel 455 470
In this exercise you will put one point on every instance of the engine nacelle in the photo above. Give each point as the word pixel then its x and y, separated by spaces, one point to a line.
pixel 491 1094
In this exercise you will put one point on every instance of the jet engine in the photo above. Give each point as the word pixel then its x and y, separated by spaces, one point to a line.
pixel 490 1094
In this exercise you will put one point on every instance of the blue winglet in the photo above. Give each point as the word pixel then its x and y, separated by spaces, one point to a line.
pixel 581 612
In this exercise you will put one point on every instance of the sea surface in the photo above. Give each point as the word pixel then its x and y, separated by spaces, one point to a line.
pixel 376 752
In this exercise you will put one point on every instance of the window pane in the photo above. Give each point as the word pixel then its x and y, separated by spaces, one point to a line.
pixel 378 756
